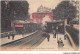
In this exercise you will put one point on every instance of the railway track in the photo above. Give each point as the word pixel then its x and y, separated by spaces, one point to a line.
pixel 30 41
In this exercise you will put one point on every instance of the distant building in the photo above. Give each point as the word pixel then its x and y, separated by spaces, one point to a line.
pixel 44 9
pixel 29 20
pixel 41 13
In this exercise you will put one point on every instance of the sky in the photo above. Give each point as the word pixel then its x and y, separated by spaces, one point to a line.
pixel 34 4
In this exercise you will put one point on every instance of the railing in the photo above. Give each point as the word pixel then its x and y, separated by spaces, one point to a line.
pixel 2 35
pixel 74 34
pixel 5 34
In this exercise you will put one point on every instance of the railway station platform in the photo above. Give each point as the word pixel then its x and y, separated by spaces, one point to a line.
pixel 5 40
pixel 52 45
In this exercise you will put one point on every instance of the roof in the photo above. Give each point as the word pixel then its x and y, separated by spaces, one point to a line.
pixel 56 21
pixel 43 12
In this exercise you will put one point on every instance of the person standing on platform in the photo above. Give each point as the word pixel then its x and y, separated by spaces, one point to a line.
pixel 12 34
pixel 8 35
pixel 65 36
pixel 60 43
pixel 48 36
pixel 54 33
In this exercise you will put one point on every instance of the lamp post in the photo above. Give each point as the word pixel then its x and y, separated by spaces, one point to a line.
pixel 57 31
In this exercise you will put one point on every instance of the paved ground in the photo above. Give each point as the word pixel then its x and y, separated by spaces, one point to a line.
pixel 6 40
pixel 28 42
pixel 52 44
pixel 37 42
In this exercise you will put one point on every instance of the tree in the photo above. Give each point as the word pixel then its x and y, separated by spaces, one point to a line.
pixel 5 18
pixel 19 9
pixel 13 10
pixel 65 10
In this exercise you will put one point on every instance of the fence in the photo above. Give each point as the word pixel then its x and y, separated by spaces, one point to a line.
pixel 74 34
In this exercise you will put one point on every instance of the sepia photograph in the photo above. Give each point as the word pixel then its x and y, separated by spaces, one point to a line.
pixel 39 25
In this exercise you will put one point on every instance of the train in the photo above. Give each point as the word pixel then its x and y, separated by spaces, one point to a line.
pixel 21 28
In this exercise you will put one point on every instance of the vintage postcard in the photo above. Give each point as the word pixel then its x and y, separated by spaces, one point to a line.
pixel 39 25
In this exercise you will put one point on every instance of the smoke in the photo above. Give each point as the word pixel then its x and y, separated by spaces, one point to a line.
pixel 46 19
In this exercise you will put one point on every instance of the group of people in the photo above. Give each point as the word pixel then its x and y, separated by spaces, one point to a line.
pixel 60 42
pixel 11 34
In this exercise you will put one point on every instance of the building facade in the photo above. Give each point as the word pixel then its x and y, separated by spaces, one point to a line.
pixel 41 13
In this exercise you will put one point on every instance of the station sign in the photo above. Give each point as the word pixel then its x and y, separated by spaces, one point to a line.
pixel 18 25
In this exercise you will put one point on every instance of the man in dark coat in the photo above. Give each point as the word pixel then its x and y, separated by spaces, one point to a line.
pixel 55 34
pixel 8 34
pixel 48 36
pixel 65 36
pixel 12 34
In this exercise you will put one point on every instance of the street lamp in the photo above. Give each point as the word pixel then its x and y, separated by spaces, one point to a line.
pixel 57 31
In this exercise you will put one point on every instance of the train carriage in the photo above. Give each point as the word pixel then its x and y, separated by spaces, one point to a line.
pixel 21 28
